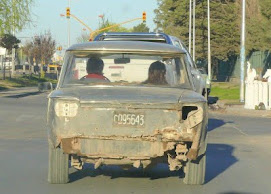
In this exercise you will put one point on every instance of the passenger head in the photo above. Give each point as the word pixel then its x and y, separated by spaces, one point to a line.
pixel 157 72
pixel 95 65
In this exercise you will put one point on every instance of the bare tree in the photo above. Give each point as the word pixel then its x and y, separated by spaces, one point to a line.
pixel 41 48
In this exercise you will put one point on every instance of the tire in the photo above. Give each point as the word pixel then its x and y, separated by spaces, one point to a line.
pixel 58 168
pixel 195 171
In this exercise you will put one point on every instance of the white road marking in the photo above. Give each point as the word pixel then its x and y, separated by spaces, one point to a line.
pixel 231 125
pixel 238 129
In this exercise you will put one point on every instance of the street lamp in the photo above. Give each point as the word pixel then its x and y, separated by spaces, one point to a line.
pixel 209 43
pixel 13 33
pixel 194 30
pixel 190 24
pixel 243 52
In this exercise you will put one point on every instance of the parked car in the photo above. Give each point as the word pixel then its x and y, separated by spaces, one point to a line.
pixel 135 106
pixel 199 80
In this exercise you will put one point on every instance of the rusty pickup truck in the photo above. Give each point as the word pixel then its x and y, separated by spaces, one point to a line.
pixel 126 103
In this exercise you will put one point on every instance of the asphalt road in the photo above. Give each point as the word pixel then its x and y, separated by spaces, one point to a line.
pixel 238 157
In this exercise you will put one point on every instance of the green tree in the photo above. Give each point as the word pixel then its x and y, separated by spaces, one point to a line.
pixel 265 8
pixel 9 41
pixel 14 14
pixel 258 25
pixel 142 27
pixel 172 17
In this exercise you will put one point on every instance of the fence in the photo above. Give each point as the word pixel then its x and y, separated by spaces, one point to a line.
pixel 226 70
pixel 258 95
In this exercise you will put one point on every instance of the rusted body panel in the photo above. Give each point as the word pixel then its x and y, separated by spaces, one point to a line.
pixel 90 133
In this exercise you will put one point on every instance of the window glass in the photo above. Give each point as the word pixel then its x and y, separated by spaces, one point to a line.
pixel 85 68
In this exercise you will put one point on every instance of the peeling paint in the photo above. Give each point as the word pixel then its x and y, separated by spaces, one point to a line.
pixel 168 135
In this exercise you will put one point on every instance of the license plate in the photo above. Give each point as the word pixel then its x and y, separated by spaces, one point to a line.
pixel 126 119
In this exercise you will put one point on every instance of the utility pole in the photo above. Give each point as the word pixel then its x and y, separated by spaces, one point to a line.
pixel 209 43
pixel 243 52
pixel 190 24
pixel 194 30
pixel 13 49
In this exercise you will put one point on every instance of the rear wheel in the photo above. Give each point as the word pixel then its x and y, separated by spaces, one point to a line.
pixel 58 169
pixel 195 171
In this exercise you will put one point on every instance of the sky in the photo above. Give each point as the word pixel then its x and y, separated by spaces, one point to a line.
pixel 46 16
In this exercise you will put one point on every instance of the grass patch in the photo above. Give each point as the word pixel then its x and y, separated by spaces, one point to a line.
pixel 23 81
pixel 226 91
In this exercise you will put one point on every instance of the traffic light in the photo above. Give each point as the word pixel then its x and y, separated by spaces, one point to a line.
pixel 144 16
pixel 68 13
pixel 59 48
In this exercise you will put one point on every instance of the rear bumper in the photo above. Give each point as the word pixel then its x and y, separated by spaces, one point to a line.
pixel 120 147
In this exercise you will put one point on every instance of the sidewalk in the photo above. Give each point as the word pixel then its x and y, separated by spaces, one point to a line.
pixel 238 110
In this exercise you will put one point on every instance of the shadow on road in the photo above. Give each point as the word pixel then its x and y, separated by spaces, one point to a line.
pixel 23 95
pixel 216 123
pixel 157 172
pixel 219 159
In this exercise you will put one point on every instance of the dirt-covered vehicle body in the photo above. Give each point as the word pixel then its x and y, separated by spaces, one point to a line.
pixel 124 116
